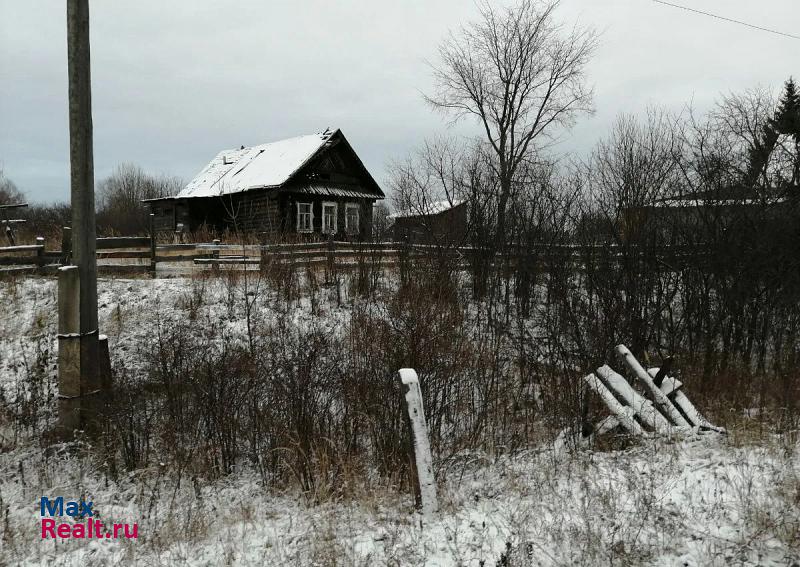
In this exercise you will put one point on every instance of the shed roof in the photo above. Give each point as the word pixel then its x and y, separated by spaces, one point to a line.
pixel 429 208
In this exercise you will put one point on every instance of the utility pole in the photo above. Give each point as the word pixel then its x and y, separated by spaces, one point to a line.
pixel 79 379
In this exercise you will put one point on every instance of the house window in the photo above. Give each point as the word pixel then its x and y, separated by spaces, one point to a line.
pixel 305 217
pixel 329 218
pixel 351 220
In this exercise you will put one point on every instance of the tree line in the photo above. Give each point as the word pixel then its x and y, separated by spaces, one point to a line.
pixel 120 210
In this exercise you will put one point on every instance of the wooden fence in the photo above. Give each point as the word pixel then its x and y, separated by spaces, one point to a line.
pixel 131 255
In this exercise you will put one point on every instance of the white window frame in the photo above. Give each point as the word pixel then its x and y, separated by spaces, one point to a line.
pixel 328 230
pixel 310 214
pixel 352 229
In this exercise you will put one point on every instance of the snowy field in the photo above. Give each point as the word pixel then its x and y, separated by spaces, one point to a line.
pixel 703 500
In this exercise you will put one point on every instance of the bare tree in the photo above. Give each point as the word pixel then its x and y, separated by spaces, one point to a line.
pixel 631 169
pixel 9 193
pixel 120 196
pixel 443 174
pixel 522 75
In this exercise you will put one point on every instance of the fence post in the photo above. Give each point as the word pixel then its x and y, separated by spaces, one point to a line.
pixel 152 244
pixel 215 255
pixel 331 259
pixel 40 253
pixel 423 483
pixel 66 245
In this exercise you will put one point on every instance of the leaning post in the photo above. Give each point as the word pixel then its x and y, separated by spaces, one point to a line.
pixel 424 484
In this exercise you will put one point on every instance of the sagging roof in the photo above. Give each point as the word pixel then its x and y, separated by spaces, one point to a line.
pixel 265 166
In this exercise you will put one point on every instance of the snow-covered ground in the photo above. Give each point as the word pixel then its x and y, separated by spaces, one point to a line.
pixel 705 500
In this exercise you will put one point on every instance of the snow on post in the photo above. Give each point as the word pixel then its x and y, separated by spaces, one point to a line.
pixel 672 387
pixel 641 405
pixel 422 449
pixel 624 414
pixel 660 398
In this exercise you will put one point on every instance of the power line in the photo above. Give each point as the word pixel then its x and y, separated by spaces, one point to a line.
pixel 741 23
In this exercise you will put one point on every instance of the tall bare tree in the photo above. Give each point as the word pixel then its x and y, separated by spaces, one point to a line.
pixel 522 74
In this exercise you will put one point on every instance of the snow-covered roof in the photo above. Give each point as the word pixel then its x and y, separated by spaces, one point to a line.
pixel 267 165
pixel 430 208
pixel 692 203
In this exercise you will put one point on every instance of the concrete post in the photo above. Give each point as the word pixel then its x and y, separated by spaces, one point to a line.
pixel 69 350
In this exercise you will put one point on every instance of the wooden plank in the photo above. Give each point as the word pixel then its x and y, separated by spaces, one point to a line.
pixel 205 260
pixel 19 270
pixel 214 246
pixel 182 258
pixel 624 414
pixel 21 248
pixel 175 247
pixel 324 253
pixel 20 260
pixel 660 398
pixel 107 243
pixel 641 405
pixel 123 269
pixel 123 254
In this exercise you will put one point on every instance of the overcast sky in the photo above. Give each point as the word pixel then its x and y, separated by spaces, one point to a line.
pixel 175 82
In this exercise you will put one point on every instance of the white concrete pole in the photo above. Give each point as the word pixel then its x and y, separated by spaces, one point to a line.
pixel 422 447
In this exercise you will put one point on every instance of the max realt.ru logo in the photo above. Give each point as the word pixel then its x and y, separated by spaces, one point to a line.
pixel 78 521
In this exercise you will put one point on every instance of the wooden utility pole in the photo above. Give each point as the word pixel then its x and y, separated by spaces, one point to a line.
pixel 79 380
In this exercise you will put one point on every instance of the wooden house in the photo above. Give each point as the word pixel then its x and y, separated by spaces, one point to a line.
pixel 308 187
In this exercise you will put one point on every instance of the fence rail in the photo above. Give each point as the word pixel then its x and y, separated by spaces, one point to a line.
pixel 141 254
